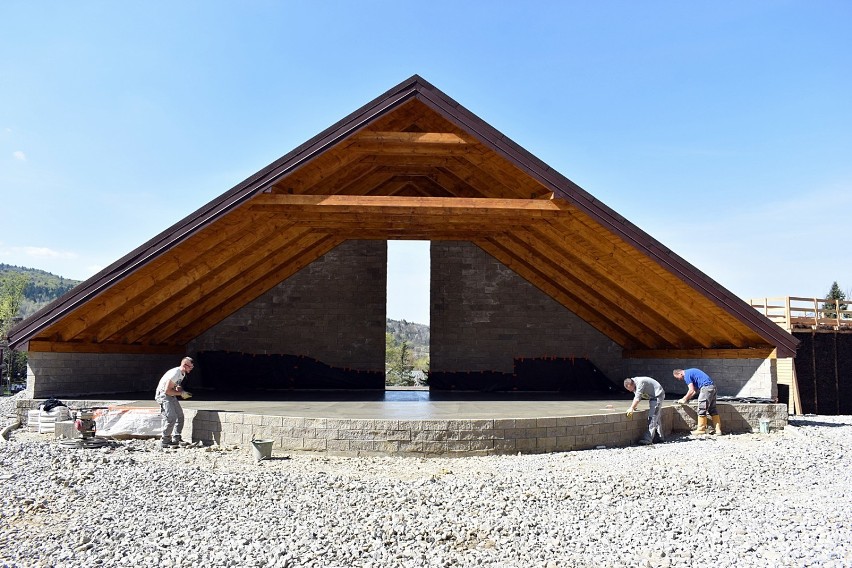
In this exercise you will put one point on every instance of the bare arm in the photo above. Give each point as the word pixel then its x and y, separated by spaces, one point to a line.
pixel 173 390
pixel 689 394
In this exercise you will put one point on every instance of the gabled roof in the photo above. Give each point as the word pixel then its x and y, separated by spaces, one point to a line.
pixel 411 164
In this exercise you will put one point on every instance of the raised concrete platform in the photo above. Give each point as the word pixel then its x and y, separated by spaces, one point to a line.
pixel 423 423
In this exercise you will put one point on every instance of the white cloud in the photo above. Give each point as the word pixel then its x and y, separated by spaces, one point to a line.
pixel 44 252
pixel 18 155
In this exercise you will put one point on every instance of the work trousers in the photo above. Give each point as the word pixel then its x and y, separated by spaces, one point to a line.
pixel 172 415
pixel 707 401
pixel 655 425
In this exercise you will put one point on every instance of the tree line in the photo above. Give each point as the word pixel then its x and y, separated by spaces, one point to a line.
pixel 406 353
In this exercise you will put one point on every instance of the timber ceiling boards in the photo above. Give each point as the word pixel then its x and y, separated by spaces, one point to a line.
pixel 412 164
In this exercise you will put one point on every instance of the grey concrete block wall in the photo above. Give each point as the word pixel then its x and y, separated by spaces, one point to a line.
pixel 483 315
pixel 333 310
pixel 72 374
pixel 463 437
pixel 733 377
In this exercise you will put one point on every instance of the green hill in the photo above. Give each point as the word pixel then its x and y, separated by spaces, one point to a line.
pixel 416 334
pixel 41 288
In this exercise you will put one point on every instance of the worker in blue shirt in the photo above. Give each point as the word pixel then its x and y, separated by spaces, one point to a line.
pixel 698 381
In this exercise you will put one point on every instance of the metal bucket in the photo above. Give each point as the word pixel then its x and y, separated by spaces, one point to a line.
pixel 262 449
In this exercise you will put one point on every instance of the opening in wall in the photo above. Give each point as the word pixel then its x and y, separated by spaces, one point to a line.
pixel 407 332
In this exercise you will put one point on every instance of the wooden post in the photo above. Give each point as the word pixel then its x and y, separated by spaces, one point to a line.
pixel 788 318
pixel 794 393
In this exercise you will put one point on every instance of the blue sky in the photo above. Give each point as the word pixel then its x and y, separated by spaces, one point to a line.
pixel 723 128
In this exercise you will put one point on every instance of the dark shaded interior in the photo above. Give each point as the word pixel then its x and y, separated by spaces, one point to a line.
pixel 217 370
pixel 824 372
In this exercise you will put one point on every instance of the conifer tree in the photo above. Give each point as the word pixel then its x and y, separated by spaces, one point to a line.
pixel 834 302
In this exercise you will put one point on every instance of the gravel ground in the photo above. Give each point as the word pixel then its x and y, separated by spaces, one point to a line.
pixel 778 499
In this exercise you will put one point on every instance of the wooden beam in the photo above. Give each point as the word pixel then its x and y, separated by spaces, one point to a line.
pixel 262 278
pixel 335 222
pixel 751 353
pixel 75 347
pixel 384 205
pixel 619 307
pixel 149 277
pixel 410 137
pixel 567 298
pixel 580 255
pixel 405 232
pixel 663 291
pixel 187 265
pixel 505 172
pixel 574 294
pixel 434 149
pixel 208 290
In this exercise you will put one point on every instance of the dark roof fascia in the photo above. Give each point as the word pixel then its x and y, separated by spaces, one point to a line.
pixel 213 210
pixel 566 189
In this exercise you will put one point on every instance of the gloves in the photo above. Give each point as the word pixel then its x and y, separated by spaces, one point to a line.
pixel 630 413
pixel 185 395
pixel 681 401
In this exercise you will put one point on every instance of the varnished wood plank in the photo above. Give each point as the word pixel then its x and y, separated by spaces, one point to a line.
pixel 600 312
pixel 687 297
pixel 140 291
pixel 404 232
pixel 74 347
pixel 325 182
pixel 329 163
pixel 620 307
pixel 403 117
pixel 384 205
pixel 187 275
pixel 410 186
pixel 752 353
pixel 435 149
pixel 376 137
pixel 210 309
pixel 150 275
pixel 183 298
pixel 506 173
pixel 583 257
pixel 660 291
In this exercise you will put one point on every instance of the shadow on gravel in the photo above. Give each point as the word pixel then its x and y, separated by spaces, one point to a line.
pixel 803 423
pixel 274 458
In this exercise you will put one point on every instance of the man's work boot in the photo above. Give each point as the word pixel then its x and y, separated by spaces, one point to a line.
pixel 167 443
pixel 717 424
pixel 701 427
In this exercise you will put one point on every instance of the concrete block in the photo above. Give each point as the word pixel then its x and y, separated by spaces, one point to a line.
pixel 65 429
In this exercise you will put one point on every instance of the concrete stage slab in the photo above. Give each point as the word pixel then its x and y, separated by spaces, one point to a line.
pixel 411 422
pixel 402 405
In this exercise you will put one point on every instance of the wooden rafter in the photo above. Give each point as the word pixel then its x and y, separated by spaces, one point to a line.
pixel 412 166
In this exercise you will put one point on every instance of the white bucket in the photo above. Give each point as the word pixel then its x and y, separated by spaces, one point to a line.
pixel 764 426
pixel 262 449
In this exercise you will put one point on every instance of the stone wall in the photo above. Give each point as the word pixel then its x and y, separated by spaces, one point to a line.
pixel 72 374
pixel 733 377
pixel 483 315
pixel 463 437
pixel 333 311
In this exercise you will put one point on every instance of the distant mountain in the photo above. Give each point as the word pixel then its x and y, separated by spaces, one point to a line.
pixel 41 288
pixel 416 334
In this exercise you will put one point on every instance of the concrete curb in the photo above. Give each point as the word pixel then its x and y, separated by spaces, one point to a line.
pixel 4 433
